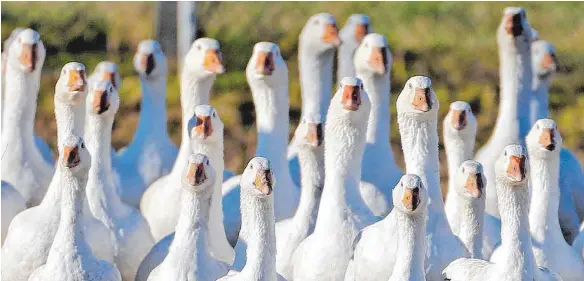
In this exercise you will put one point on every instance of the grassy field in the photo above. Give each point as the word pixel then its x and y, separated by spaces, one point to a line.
pixel 453 43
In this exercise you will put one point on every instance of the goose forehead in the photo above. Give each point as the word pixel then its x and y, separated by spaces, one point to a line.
pixel 265 47
pixel 420 81
pixel 459 106
pixel 359 19
pixel 102 85
pixel 107 66
pixel 326 18
pixel 546 123
pixel 74 66
pixel 204 110
pixel 513 10
pixel 351 81
pixel 198 158
pixel 515 150
pixel 375 40
pixel 260 163
pixel 544 46
pixel 312 118
pixel 148 46
pixel 72 141
pixel 29 36
pixel 471 166
pixel 411 180
pixel 207 43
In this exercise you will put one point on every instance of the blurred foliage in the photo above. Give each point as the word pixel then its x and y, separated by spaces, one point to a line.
pixel 454 43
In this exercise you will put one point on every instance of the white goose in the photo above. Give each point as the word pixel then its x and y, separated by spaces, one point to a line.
pixel 70 257
pixel 160 203
pixel 516 261
pixel 380 173
pixel 256 247
pixel 316 50
pixel 342 213
pixel 151 153
pixel 514 41
pixel 292 231
pixel 33 231
pixel 206 132
pixel 131 234
pixel 571 209
pixel 549 246
pixel 352 34
pixel 468 183
pixel 267 76
pixel 410 200
pixel 12 204
pixel 190 257
pixel 23 166
pixel 376 246
pixel 459 131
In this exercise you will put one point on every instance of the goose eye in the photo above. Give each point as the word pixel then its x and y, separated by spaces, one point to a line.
pixel 199 47
pixel 463 170
pixel 214 114
pixel 316 22
pixel 537 126
pixel 366 45
pixel 505 153
pixel 82 145
pixel 410 85
pixel 251 166
pixel 207 162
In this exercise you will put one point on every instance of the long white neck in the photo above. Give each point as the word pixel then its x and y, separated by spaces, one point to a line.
pixel 515 71
pixel 258 229
pixel 518 261
pixel 545 198
pixel 316 80
pixel 471 224
pixel 540 99
pixel 345 66
pixel 312 182
pixel 411 231
pixel 420 148
pixel 152 120
pixel 378 128
pixel 70 239
pixel 458 149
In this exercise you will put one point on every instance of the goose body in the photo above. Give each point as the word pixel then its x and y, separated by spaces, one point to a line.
pixel 160 203
pixel 351 35
pixel 514 41
pixel 131 234
pixel 255 251
pixel 151 154
pixel 516 262
pixel 324 254
pixel 267 76
pixel 12 204
pixel 379 173
pixel 70 257
pixel 316 49
pixel 189 257
pixel 23 166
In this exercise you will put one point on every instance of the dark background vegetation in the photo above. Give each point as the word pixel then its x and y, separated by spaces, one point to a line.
pixel 453 43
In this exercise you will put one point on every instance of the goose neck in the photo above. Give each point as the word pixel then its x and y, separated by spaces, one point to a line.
pixel 312 182
pixel 471 225
pixel 378 128
pixel 458 149
pixel 70 120
pixel 152 119
pixel 316 79
pixel 346 68
pixel 420 148
pixel 411 250
pixel 192 228
pixel 545 199
pixel 19 104
pixel 540 99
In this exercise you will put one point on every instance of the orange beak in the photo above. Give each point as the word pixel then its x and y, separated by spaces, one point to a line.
pixel 378 60
pixel 411 198
pixel 71 156
pixel 314 134
pixel 196 173
pixel 546 139
pixel 422 100
pixel 459 120
pixel 76 81
pixel 361 30
pixel 110 76
pixel 146 63
pixel 203 127
pixel 351 99
pixel 516 169
pixel 513 25
pixel 213 62
pixel 474 185
pixel 264 182
pixel 331 34
pixel 265 64
pixel 100 102
pixel 28 56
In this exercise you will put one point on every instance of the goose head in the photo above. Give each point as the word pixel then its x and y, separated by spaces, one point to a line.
pixel 71 87
pixel 204 58
pixel 27 52
pixel 514 29
pixel 205 125
pixel 149 61
pixel 355 29
pixel 471 180
pixel 258 178
pixel 460 120
pixel 102 99
pixel 512 166
pixel 320 33
pixel 198 174
pixel 373 56
pixel 543 58
pixel 108 71
pixel 418 98
pixel 267 64
pixel 409 195
pixel 351 100
pixel 544 139
pixel 310 128
pixel 74 155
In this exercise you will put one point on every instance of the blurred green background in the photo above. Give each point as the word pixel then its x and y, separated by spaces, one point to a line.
pixel 453 43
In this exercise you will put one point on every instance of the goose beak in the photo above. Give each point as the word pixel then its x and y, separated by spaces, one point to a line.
pixel 331 35
pixel 550 62
pixel 314 134
pixel 474 185
pixel 516 169
pixel 265 64
pixel 351 99
pixel 459 121
pixel 28 57
pixel 378 60
pixel 101 101
pixel 111 77
pixel 546 139
pixel 196 174
pixel 76 81
pixel 360 31
pixel 146 63
pixel 264 182
pixel 71 156
pixel 422 100
pixel 513 25
pixel 411 198
pixel 213 62
pixel 203 128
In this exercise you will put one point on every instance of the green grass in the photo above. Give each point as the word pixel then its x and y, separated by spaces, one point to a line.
pixel 453 43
